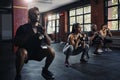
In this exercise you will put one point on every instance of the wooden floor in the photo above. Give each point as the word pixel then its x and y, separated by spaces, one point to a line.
pixel 102 67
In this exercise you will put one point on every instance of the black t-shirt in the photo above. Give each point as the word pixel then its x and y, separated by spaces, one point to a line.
pixel 26 38
pixel 90 34
pixel 96 38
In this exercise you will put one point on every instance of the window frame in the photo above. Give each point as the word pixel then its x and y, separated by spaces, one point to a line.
pixel 55 24
pixel 77 15
pixel 107 7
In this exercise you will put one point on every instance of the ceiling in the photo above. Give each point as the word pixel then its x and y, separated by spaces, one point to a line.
pixel 47 5
pixel 43 5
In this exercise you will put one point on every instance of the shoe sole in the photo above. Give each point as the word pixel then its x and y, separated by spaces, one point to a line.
pixel 83 61
pixel 48 77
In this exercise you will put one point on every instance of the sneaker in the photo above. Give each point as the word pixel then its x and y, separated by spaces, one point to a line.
pixel 67 64
pixel 99 50
pixel 109 50
pixel 106 49
pixel 47 74
pixel 83 61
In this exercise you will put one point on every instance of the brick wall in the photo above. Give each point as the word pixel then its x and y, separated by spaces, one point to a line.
pixel 97 12
pixel 19 15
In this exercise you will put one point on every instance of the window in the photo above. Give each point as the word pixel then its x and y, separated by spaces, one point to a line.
pixel 113 14
pixel 80 15
pixel 72 12
pixel 87 18
pixel 119 24
pixel 53 24
pixel 79 11
pixel 112 2
pixel 113 25
pixel 80 19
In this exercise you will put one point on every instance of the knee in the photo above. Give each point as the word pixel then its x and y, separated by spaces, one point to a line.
pixel 51 52
pixel 22 52
pixel 71 47
pixel 86 47
pixel 68 49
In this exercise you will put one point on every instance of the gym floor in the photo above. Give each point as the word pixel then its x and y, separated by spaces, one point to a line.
pixel 99 67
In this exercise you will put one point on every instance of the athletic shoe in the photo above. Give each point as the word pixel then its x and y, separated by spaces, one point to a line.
pixel 47 74
pixel 100 50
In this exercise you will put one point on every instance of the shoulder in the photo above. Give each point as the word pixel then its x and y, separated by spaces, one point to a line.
pixel 71 36
pixel 24 25
pixel 101 31
pixel 23 28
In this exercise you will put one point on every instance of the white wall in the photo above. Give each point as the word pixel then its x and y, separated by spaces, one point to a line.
pixel 6 26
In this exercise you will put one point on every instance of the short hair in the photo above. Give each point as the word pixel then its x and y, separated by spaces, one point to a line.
pixel 74 27
pixel 31 11
pixel 93 25
pixel 103 25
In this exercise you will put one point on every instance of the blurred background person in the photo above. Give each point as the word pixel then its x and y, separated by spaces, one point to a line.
pixel 76 45
pixel 95 39
pixel 106 36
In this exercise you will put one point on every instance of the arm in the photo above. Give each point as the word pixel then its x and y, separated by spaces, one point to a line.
pixel 71 40
pixel 103 35
pixel 74 42
pixel 77 43
pixel 109 32
pixel 82 42
pixel 43 34
pixel 93 36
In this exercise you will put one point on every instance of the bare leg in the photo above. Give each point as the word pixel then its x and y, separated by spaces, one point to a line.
pixel 49 59
pixel 20 57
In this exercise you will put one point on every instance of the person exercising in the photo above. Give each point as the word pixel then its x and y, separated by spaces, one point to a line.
pixel 33 44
